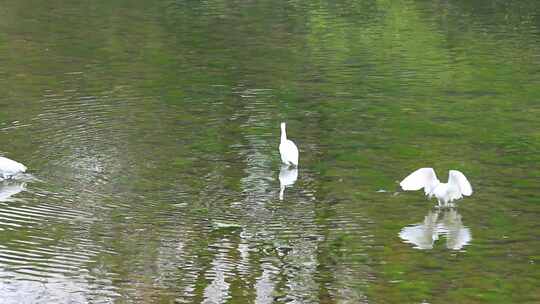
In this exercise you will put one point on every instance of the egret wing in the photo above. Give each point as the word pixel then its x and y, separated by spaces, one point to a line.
pixel 457 178
pixel 424 177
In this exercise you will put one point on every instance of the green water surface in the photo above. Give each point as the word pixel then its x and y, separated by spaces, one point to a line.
pixel 151 128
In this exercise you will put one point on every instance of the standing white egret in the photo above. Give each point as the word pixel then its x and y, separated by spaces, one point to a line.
pixel 287 149
pixel 10 168
pixel 457 185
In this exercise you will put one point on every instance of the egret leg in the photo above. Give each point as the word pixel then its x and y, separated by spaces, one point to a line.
pixel 448 204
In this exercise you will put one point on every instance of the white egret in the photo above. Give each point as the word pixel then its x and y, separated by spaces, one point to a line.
pixel 9 168
pixel 424 235
pixel 457 185
pixel 8 189
pixel 287 177
pixel 287 149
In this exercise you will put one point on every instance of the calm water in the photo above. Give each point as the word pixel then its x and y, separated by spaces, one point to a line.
pixel 151 130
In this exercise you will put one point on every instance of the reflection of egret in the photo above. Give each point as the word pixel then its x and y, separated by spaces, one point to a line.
pixel 287 149
pixel 457 185
pixel 424 235
pixel 8 189
pixel 10 168
pixel 287 177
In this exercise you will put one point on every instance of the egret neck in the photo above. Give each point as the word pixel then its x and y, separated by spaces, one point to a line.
pixel 283 133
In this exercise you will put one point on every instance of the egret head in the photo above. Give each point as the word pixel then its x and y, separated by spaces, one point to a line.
pixel 283 125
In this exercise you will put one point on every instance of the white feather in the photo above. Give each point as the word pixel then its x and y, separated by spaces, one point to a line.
pixel 287 149
pixel 457 178
pixel 421 178
pixel 457 185
pixel 10 168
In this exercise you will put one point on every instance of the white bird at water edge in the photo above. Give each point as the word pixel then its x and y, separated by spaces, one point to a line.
pixel 457 185
pixel 287 149
pixel 9 168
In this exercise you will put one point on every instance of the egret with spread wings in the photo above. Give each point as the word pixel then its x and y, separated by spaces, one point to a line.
pixel 456 188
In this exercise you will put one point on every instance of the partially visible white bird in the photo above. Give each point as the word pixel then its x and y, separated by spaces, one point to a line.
pixel 8 189
pixel 287 177
pixel 9 168
pixel 287 149
pixel 457 185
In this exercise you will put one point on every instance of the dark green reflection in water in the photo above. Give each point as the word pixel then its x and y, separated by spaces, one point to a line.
pixel 153 127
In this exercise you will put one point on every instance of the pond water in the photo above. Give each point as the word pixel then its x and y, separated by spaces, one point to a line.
pixel 151 129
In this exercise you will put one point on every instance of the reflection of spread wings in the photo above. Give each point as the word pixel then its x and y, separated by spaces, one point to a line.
pixel 457 238
pixel 457 235
pixel 420 236
pixel 421 178
pixel 424 235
